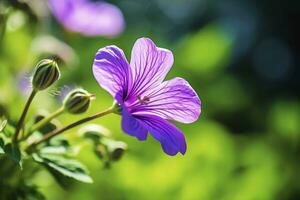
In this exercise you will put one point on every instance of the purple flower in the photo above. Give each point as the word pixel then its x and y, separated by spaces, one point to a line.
pixel 87 17
pixel 146 101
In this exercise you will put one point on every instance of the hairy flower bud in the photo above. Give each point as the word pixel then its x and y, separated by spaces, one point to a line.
pixel 50 126
pixel 45 74
pixel 78 101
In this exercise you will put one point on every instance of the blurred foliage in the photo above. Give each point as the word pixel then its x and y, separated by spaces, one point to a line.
pixel 211 53
pixel 245 145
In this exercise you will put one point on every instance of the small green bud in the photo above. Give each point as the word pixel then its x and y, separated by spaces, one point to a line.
pixel 78 101
pixel 50 126
pixel 100 151
pixel 45 74
pixel 116 149
pixel 94 132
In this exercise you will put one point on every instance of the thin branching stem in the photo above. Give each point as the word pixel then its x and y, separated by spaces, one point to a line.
pixel 23 115
pixel 56 132
pixel 44 121
pixel 3 20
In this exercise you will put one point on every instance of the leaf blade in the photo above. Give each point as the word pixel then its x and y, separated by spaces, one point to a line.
pixel 67 167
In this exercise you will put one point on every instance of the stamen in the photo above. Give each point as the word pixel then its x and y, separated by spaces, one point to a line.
pixel 144 100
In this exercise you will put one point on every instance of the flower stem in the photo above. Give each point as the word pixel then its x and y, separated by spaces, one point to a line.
pixel 44 121
pixel 23 115
pixel 72 125
pixel 3 20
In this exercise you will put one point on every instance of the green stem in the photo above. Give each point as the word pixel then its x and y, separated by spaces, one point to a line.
pixel 23 115
pixel 3 20
pixel 44 121
pixel 51 134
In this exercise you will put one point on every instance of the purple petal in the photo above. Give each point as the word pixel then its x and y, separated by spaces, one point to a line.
pixel 133 126
pixel 173 100
pixel 111 71
pixel 149 65
pixel 87 17
pixel 171 138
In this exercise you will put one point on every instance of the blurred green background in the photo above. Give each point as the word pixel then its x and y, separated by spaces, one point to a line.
pixel 240 56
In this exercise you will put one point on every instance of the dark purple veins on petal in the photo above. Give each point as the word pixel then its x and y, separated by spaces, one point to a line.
pixel 171 138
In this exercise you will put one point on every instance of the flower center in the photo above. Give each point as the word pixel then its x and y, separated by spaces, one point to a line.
pixel 144 100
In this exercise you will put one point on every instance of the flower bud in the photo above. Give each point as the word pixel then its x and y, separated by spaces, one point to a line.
pixel 77 101
pixel 45 74
pixel 48 127
pixel 116 149
pixel 94 132
pixel 100 151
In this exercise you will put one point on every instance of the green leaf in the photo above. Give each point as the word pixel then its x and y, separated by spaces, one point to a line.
pixel 2 146
pixel 20 191
pixel 8 130
pixel 58 147
pixel 54 150
pixel 3 136
pixel 58 142
pixel 13 152
pixel 29 192
pixel 65 166
pixel 3 125
pixel 64 181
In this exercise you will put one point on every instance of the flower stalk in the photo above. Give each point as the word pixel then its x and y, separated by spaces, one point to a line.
pixel 23 115
pixel 56 132
pixel 44 121
pixel 3 20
